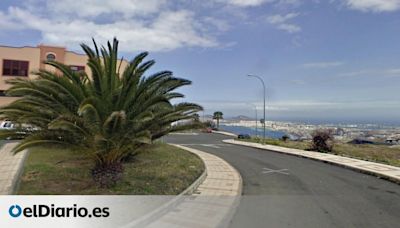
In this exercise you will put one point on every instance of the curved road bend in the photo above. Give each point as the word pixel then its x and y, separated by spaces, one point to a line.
pixel 286 191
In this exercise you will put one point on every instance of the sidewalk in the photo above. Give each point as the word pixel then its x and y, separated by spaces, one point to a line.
pixel 213 203
pixel 391 173
pixel 10 167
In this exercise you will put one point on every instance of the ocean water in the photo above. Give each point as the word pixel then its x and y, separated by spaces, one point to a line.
pixel 252 131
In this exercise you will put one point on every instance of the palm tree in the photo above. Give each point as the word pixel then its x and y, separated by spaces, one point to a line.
pixel 217 116
pixel 196 117
pixel 162 122
pixel 108 115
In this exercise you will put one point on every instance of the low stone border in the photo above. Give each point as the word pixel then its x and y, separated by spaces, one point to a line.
pixel 11 167
pixel 219 179
pixel 387 172
pixel 222 179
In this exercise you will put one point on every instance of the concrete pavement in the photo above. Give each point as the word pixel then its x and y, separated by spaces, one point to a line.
pixel 10 167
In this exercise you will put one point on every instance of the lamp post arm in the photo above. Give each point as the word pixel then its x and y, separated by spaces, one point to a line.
pixel 262 81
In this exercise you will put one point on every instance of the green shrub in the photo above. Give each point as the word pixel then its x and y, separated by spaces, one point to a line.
pixel 322 140
pixel 285 138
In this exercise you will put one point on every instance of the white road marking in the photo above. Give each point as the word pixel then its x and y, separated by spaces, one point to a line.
pixel 211 145
pixel 217 146
pixel 281 171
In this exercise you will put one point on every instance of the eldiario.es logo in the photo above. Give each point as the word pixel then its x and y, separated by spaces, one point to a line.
pixel 41 211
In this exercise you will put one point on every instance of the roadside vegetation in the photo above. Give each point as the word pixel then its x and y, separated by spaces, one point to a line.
pixel 322 140
pixel 375 153
pixel 209 124
pixel 107 117
pixel 158 169
pixel 218 115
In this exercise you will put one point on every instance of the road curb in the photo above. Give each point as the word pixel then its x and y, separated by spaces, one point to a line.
pixel 224 133
pixel 151 216
pixel 229 215
pixel 17 177
pixel 387 172
pixel 12 167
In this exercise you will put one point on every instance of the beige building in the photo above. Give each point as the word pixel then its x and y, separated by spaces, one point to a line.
pixel 21 62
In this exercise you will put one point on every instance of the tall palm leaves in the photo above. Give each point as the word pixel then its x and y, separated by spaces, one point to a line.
pixel 108 114
pixel 217 116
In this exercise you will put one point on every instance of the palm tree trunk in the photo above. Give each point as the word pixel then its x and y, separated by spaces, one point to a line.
pixel 107 175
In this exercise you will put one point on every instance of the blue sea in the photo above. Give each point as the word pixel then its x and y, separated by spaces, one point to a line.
pixel 252 131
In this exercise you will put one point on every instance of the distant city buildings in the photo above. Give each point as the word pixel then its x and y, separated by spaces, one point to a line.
pixel 342 132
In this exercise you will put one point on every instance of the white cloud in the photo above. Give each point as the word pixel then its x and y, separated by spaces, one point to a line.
pixel 152 25
pixel 253 3
pixel 238 105
pixel 161 29
pixel 374 5
pixel 290 28
pixel 245 3
pixel 305 103
pixel 302 105
pixel 301 108
pixel 293 105
pixel 354 73
pixel 249 3
pixel 389 72
pixel 279 19
pixel 281 22
pixel 219 24
pixel 395 71
pixel 290 2
pixel 6 23
pixel 93 8
pixel 322 64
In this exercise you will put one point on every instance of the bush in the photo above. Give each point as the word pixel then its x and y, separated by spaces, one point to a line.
pixel 322 140
pixel 285 138
pixel 209 124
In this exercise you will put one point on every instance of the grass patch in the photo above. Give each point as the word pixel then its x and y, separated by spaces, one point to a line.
pixel 375 153
pixel 160 169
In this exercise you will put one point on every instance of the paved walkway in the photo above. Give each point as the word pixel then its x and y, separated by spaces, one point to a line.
pixel 381 170
pixel 10 167
pixel 213 203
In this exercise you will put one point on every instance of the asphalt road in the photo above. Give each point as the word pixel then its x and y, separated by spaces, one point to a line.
pixel 286 191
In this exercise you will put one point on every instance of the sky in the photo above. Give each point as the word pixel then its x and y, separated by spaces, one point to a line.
pixel 332 60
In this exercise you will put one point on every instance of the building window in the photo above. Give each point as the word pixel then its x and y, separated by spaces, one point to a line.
pixel 50 57
pixel 15 68
pixel 77 68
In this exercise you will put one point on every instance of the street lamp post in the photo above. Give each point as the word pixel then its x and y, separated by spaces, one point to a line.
pixel 262 81
pixel 255 108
